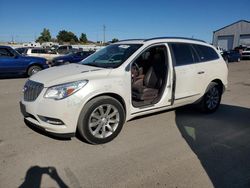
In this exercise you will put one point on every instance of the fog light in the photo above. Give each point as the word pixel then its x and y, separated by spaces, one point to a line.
pixel 50 120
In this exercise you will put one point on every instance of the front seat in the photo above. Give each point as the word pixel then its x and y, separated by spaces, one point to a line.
pixel 148 88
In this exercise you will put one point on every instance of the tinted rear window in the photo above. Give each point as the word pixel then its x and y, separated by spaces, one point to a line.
pixel 39 51
pixel 34 51
pixel 184 54
pixel 206 53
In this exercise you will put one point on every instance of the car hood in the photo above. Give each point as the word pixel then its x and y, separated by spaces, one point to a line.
pixel 68 73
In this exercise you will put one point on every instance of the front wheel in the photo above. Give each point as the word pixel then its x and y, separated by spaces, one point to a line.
pixel 66 63
pixel 101 120
pixel 33 70
pixel 212 98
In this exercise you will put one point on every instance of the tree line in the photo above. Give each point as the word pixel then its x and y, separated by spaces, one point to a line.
pixel 62 36
pixel 65 36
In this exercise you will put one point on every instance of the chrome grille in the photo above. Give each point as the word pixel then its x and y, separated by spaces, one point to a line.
pixel 32 90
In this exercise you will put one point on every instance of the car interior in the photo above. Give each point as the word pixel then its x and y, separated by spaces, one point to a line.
pixel 148 76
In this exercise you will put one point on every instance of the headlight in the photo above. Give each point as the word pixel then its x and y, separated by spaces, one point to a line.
pixel 64 90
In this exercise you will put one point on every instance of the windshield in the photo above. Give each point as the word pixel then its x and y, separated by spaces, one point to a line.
pixel 16 53
pixel 111 56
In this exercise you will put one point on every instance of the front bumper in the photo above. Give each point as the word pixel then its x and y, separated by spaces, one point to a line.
pixel 66 111
pixel 37 124
pixel 42 131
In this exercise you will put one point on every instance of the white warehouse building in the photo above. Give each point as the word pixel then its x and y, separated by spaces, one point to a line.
pixel 232 35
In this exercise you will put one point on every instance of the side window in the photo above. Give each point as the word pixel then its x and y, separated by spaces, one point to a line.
pixel 206 53
pixel 42 51
pixel 34 51
pixel 5 53
pixel 184 54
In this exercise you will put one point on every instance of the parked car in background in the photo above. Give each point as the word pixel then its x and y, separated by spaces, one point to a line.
pixel 54 48
pixel 245 53
pixel 41 52
pixel 11 62
pixel 240 48
pixel 65 49
pixel 121 81
pixel 73 57
pixel 231 56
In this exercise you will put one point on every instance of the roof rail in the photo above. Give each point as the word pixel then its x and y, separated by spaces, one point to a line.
pixel 130 40
pixel 175 38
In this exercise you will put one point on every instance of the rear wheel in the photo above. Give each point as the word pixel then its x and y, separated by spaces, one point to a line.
pixel 33 70
pixel 212 98
pixel 101 120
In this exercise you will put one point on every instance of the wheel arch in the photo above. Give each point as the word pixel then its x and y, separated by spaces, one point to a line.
pixel 115 96
pixel 211 84
pixel 216 81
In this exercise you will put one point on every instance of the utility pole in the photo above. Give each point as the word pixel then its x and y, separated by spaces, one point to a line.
pixel 12 39
pixel 104 33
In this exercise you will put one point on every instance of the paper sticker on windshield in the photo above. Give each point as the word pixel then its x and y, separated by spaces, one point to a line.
pixel 124 46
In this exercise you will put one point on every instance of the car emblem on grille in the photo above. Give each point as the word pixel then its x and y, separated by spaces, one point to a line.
pixel 25 89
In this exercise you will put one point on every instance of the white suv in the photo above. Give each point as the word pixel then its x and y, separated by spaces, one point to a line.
pixel 124 80
pixel 41 52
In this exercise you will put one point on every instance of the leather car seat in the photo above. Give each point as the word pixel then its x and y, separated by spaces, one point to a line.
pixel 148 87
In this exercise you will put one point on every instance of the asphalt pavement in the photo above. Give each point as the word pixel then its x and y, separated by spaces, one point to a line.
pixel 176 148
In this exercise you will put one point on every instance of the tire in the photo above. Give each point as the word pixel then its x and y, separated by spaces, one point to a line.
pixel 66 63
pixel 33 70
pixel 211 99
pixel 101 120
pixel 238 60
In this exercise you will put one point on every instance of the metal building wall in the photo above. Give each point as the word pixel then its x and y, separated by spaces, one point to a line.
pixel 236 30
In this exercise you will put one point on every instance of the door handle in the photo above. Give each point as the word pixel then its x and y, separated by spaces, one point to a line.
pixel 201 72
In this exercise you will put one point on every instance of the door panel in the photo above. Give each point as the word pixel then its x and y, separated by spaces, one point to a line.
pixel 10 62
pixel 187 81
pixel 12 65
pixel 187 75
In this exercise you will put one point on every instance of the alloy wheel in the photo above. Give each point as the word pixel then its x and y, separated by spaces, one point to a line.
pixel 213 98
pixel 35 70
pixel 104 121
